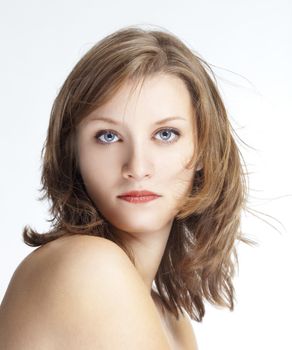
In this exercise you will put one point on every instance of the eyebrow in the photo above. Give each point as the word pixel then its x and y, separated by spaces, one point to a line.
pixel 112 121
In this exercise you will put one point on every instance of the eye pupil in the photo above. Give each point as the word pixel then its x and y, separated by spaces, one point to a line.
pixel 111 137
pixel 165 132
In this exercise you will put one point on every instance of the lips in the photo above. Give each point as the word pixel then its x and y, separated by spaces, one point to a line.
pixel 143 193
pixel 139 199
pixel 139 196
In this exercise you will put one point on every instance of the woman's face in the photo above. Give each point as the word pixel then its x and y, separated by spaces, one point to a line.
pixel 139 151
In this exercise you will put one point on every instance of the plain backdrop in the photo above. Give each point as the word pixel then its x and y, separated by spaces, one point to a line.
pixel 248 45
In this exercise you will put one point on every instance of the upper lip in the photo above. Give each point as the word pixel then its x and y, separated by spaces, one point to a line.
pixel 138 194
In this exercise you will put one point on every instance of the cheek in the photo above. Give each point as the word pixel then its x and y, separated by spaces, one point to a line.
pixel 176 174
pixel 177 159
pixel 96 171
pixel 93 161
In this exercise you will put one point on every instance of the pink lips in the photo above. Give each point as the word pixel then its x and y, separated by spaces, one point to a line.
pixel 139 196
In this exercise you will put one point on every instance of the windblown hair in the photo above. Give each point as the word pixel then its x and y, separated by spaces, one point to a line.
pixel 200 256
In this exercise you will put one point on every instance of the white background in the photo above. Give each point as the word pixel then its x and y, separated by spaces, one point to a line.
pixel 249 45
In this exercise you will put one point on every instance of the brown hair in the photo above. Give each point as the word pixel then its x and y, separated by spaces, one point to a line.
pixel 200 257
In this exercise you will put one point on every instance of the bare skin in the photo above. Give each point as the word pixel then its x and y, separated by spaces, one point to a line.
pixel 20 305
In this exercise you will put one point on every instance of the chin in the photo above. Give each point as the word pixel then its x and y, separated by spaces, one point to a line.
pixel 138 225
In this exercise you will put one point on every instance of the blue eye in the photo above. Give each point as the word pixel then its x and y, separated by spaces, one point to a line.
pixel 110 135
pixel 167 133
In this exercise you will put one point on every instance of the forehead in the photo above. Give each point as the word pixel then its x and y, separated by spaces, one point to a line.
pixel 159 96
pixel 156 92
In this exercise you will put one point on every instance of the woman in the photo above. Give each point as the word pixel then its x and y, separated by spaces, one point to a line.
pixel 147 188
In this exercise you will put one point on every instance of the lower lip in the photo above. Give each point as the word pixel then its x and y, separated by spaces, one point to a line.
pixel 139 199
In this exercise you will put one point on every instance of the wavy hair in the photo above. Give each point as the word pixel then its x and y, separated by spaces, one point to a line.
pixel 200 256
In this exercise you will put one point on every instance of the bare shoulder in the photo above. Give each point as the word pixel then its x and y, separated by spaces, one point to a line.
pixel 59 256
pixel 79 292
pixel 65 246
pixel 69 254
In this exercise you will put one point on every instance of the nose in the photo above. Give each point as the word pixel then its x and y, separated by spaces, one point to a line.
pixel 137 165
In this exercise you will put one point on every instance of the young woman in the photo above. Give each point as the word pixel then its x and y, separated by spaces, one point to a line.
pixel 146 187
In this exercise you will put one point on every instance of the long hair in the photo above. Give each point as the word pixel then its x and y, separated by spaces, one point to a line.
pixel 200 256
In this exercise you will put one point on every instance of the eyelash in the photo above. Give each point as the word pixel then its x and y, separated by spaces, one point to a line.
pixel 102 132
